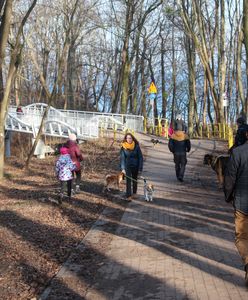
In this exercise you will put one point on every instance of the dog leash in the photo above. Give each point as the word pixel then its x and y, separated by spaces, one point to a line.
pixel 142 178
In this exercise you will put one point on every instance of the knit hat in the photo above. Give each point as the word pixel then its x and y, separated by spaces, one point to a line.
pixel 64 150
pixel 179 127
pixel 72 137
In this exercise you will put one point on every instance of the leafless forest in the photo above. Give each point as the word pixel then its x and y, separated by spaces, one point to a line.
pixel 103 55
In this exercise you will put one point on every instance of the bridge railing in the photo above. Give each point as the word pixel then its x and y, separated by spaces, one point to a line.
pixel 56 124
pixel 83 123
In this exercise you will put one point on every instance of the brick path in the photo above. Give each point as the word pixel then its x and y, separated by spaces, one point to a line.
pixel 181 246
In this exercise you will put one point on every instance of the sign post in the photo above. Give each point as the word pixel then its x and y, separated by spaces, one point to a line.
pixel 225 105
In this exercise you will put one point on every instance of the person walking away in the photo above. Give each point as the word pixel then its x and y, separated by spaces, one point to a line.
pixel 131 160
pixel 64 168
pixel 240 137
pixel 76 157
pixel 179 144
pixel 236 191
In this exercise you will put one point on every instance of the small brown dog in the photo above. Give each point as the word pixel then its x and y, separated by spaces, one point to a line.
pixel 218 164
pixel 112 179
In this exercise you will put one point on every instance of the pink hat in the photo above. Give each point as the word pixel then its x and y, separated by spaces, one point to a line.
pixel 72 137
pixel 64 150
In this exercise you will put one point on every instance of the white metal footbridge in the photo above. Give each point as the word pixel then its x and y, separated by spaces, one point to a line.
pixel 60 123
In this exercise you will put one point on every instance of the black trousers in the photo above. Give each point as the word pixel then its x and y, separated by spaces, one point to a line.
pixel 78 177
pixel 66 184
pixel 180 164
pixel 131 180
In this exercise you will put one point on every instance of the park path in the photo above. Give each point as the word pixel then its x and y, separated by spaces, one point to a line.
pixel 181 246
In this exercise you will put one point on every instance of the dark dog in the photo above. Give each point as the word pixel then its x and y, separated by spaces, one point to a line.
pixel 218 164
pixel 155 142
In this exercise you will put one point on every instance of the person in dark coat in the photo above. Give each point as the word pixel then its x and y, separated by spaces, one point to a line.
pixel 179 144
pixel 131 160
pixel 236 191
pixel 240 137
pixel 76 157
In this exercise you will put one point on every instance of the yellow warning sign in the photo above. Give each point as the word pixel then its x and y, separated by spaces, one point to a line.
pixel 152 89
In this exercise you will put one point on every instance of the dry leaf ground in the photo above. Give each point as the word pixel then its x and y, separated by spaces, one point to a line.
pixel 36 234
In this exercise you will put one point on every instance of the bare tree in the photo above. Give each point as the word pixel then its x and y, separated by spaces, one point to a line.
pixel 204 45
pixel 16 51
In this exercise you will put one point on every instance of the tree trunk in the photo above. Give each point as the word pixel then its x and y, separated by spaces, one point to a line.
pixel 239 72
pixel 164 94
pixel 4 34
pixel 122 90
pixel 71 75
pixel 125 86
pixel 134 103
pixel 222 64
pixel 45 67
pixel 174 70
pixel 143 80
pixel 17 89
pixel 245 40
pixel 204 110
pixel 13 66
pixel 115 84
pixel 190 53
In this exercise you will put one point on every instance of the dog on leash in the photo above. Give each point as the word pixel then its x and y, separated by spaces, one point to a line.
pixel 113 179
pixel 148 191
pixel 218 164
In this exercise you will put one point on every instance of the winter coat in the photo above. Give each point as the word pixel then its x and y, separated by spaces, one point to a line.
pixel 75 153
pixel 64 167
pixel 235 180
pixel 179 143
pixel 131 158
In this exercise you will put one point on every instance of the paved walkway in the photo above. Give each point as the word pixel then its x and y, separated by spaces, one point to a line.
pixel 181 246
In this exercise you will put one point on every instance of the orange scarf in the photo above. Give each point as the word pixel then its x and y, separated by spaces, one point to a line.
pixel 128 146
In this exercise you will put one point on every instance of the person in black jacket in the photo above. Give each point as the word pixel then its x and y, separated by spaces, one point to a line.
pixel 131 163
pixel 179 144
pixel 236 191
pixel 240 137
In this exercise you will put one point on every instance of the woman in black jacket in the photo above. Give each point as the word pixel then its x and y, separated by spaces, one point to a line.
pixel 131 163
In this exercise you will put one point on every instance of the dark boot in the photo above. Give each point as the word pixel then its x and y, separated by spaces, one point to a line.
pixel 61 196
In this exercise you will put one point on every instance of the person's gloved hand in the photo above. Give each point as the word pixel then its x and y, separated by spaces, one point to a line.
pixel 123 171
